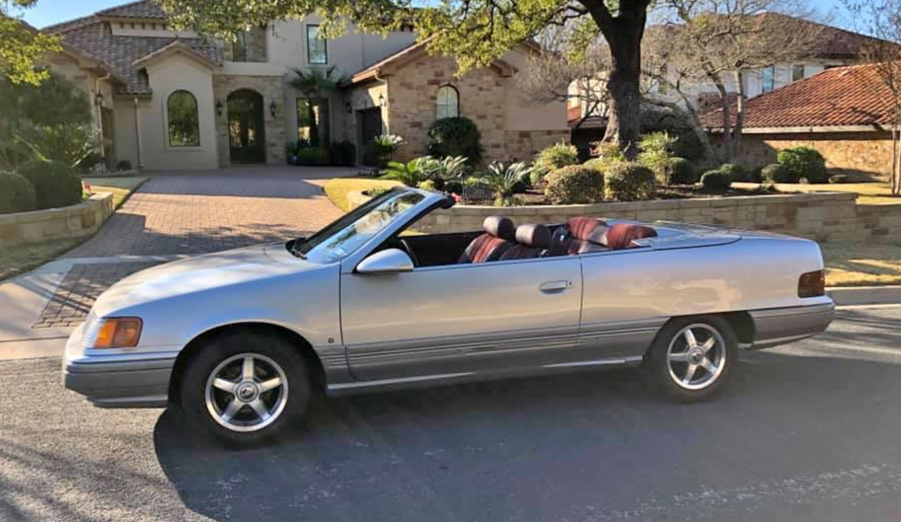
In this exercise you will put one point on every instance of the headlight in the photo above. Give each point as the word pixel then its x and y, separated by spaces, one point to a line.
pixel 119 332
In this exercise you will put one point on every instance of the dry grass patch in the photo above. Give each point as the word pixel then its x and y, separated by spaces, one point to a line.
pixel 337 189
pixel 850 263
pixel 18 259
pixel 120 187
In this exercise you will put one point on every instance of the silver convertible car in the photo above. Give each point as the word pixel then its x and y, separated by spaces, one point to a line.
pixel 237 341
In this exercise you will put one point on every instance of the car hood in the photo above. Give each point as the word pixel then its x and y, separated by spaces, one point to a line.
pixel 199 274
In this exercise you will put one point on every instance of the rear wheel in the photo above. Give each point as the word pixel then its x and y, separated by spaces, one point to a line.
pixel 691 357
pixel 244 388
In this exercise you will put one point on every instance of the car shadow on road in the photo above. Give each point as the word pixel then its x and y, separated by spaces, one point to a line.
pixel 495 450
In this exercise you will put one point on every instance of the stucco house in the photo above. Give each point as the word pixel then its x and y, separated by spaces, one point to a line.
pixel 169 100
pixel 830 47
pixel 845 113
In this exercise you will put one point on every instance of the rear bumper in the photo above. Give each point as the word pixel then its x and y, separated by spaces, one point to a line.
pixel 786 325
pixel 118 380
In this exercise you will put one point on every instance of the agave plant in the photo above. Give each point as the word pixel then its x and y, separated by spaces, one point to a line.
pixel 502 180
pixel 388 142
pixel 410 173
pixel 442 170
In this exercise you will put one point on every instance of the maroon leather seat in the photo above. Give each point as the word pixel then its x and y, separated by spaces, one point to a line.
pixel 500 232
pixel 580 235
pixel 623 235
pixel 531 241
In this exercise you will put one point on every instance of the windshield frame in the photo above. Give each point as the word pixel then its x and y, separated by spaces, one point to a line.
pixel 302 248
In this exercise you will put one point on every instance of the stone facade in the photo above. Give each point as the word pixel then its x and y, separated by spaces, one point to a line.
pixel 484 96
pixel 863 154
pixel 42 225
pixel 822 216
pixel 272 88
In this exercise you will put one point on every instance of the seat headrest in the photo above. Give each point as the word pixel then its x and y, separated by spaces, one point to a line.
pixel 582 227
pixel 501 227
pixel 622 235
pixel 536 236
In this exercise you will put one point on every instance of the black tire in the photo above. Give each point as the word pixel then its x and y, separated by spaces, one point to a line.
pixel 269 354
pixel 670 379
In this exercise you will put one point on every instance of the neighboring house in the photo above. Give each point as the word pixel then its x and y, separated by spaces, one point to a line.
pixel 175 100
pixel 832 47
pixel 845 113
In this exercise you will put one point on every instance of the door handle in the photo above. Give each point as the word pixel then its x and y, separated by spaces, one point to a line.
pixel 554 287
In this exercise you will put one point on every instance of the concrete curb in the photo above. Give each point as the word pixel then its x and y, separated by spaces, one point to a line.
pixel 865 295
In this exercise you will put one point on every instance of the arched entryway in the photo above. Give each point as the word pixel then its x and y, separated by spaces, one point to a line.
pixel 246 128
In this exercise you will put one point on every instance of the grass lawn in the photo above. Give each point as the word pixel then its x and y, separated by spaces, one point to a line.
pixel 21 258
pixel 337 189
pixel 850 263
pixel 870 193
pixel 120 187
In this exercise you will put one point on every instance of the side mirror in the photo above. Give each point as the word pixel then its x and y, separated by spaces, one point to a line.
pixel 391 261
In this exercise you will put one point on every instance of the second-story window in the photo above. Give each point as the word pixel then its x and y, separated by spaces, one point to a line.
pixel 317 48
pixel 768 78
pixel 239 47
pixel 797 72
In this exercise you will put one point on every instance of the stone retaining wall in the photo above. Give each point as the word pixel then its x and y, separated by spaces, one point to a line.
pixel 78 220
pixel 822 216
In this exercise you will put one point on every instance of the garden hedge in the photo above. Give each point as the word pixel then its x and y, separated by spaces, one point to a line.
pixel 574 184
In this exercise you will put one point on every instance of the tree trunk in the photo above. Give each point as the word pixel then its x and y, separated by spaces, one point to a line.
pixel 727 124
pixel 623 34
pixel 739 116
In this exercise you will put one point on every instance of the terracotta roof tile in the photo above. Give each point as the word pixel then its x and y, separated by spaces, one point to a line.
pixel 842 96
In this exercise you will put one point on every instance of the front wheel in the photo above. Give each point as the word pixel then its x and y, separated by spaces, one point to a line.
pixel 245 388
pixel 691 357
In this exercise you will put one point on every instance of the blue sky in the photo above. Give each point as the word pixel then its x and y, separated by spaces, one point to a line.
pixel 49 12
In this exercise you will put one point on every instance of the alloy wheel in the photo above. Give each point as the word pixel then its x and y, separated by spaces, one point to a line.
pixel 246 392
pixel 696 356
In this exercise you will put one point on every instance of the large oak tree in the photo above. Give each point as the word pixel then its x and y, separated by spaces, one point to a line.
pixel 22 47
pixel 474 32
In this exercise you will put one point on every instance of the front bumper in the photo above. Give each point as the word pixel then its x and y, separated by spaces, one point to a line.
pixel 787 325
pixel 118 380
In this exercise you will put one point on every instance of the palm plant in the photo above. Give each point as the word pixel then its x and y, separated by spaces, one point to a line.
pixel 410 173
pixel 443 170
pixel 502 180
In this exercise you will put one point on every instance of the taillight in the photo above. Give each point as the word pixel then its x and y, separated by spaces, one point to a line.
pixel 812 284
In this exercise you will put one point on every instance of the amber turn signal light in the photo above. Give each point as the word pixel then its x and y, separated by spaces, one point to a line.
pixel 812 284
pixel 119 332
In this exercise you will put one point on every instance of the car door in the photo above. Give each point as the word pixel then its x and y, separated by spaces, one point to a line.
pixel 448 321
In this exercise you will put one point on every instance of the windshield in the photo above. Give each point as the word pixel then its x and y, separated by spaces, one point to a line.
pixel 341 238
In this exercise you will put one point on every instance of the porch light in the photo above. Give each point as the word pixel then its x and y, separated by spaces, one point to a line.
pixel 382 100
pixel 273 108
pixel 99 99
pixel 219 107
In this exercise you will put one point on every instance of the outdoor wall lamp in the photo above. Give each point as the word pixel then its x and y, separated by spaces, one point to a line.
pixel 273 108
pixel 219 107
pixel 382 100
pixel 99 99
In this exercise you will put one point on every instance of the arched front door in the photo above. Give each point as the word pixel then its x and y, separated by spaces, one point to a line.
pixel 246 131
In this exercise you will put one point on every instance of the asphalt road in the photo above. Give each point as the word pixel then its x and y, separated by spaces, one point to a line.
pixel 807 432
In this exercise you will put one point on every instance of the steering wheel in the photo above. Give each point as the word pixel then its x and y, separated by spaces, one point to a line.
pixel 404 243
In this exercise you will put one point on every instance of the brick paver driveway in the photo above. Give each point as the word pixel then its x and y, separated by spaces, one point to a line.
pixel 192 213
pixel 195 213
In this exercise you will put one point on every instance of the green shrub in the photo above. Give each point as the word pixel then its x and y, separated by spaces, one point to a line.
pixel 54 184
pixel 376 191
pixel 688 145
pixel 427 185
pixel 630 182
pixel 736 172
pixel 344 153
pixel 575 184
pixel 456 136
pixel 655 154
pixel 551 159
pixel 16 193
pixel 804 162
pixel 716 180
pixel 777 173
pixel 682 172
pixel 410 173
pixel 123 165
pixel 313 156
pixel 839 178
pixel 757 174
